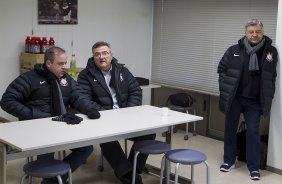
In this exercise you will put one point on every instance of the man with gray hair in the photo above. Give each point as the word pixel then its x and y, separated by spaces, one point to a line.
pixel 247 73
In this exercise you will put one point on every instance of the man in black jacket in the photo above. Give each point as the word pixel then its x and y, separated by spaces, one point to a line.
pixel 48 91
pixel 110 85
pixel 247 73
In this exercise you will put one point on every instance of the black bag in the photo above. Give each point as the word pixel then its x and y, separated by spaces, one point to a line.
pixel 241 145
pixel 241 142
pixel 181 99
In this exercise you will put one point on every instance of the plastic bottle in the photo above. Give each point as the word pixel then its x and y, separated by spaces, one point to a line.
pixel 27 44
pixel 32 44
pixel 51 42
pixel 37 45
pixel 44 45
pixel 73 61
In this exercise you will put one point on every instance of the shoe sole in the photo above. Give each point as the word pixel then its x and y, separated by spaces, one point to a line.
pixel 227 170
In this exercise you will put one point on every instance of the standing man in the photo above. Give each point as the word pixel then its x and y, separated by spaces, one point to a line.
pixel 247 74
pixel 48 91
pixel 110 86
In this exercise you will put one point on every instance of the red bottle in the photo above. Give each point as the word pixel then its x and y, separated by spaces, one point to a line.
pixel 27 44
pixel 37 45
pixel 32 45
pixel 51 42
pixel 44 45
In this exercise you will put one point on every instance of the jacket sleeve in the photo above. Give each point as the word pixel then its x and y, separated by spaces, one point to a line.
pixel 222 66
pixel 15 96
pixel 81 96
pixel 134 90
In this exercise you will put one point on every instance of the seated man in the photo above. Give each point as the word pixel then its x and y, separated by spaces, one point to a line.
pixel 111 86
pixel 48 91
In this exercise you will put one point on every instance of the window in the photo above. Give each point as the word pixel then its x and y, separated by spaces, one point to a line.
pixel 191 36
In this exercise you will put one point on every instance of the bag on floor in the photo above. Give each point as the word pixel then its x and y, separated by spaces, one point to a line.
pixel 241 142
pixel 241 145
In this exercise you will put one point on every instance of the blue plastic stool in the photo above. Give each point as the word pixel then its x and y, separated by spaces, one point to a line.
pixel 50 169
pixel 186 157
pixel 148 147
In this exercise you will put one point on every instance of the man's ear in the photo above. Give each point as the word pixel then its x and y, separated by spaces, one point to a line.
pixel 48 63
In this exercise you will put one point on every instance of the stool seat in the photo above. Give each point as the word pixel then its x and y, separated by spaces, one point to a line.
pixel 47 169
pixel 151 147
pixel 147 147
pixel 186 156
pixel 180 108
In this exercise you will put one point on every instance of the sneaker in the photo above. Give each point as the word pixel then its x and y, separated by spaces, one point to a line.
pixel 226 167
pixel 255 175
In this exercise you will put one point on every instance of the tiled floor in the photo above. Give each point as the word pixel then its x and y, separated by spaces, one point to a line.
pixel 89 174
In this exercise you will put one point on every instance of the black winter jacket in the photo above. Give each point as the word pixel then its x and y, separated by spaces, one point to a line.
pixel 230 71
pixel 29 95
pixel 128 91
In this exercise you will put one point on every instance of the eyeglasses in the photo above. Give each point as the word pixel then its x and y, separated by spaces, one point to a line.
pixel 101 54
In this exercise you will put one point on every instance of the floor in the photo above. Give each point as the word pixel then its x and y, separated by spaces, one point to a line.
pixel 89 174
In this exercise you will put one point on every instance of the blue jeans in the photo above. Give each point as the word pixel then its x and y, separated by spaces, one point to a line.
pixel 252 112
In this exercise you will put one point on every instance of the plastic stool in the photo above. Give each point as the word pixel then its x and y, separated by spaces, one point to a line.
pixel 188 110
pixel 148 147
pixel 186 157
pixel 50 169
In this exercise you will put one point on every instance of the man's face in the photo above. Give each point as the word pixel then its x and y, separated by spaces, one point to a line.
pixel 254 34
pixel 58 66
pixel 102 58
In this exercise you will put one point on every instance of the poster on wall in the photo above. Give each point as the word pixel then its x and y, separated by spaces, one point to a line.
pixel 57 11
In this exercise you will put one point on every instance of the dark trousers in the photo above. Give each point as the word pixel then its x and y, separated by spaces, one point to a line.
pixel 252 112
pixel 76 158
pixel 122 165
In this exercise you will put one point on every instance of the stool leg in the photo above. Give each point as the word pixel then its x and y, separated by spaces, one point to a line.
pixel 162 169
pixel 101 165
pixel 186 132
pixel 195 132
pixel 176 173
pixel 136 153
pixel 208 172
pixel 125 146
pixel 23 178
pixel 187 128
pixel 167 171
pixel 59 179
pixel 70 177
pixel 192 174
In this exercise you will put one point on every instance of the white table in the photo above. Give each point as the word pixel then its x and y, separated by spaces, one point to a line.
pixel 39 136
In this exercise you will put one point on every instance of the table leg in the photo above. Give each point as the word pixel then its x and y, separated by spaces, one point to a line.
pixel 3 163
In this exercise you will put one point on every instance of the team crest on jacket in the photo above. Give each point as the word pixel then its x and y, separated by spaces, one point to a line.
pixel 63 82
pixel 121 77
pixel 269 57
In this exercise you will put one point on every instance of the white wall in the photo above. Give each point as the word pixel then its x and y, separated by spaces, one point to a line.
pixel 125 24
pixel 274 158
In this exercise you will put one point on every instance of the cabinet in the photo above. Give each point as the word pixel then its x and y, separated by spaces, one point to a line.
pixel 28 60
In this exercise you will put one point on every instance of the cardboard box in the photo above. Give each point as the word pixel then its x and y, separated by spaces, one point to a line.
pixel 28 60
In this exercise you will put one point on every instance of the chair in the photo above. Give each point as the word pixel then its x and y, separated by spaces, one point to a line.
pixel 148 147
pixel 50 169
pixel 186 157
pixel 186 109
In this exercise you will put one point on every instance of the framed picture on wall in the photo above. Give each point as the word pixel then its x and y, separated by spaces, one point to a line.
pixel 57 11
